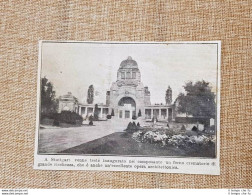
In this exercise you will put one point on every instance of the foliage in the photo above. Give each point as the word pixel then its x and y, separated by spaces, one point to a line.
pixel 49 104
pixel 96 117
pixel 168 95
pixel 67 117
pixel 132 127
pixel 198 100
pixel 183 128
pixel 194 128
pixel 178 140
pixel 154 136
pixel 134 117
pixel 108 116
pixel 91 118
pixel 90 95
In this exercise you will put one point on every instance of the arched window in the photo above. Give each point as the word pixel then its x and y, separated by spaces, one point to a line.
pixel 128 76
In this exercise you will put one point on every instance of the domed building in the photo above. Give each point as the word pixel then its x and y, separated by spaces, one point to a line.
pixel 128 97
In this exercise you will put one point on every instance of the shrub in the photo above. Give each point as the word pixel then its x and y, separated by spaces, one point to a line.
pixel 108 116
pixel 194 128
pixel 177 140
pixel 138 136
pixel 55 122
pixel 68 117
pixel 134 117
pixel 132 127
pixel 154 137
pixel 48 115
pixel 96 117
pixel 183 128
pixel 91 118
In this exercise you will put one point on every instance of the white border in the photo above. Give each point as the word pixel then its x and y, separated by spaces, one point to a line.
pixel 211 170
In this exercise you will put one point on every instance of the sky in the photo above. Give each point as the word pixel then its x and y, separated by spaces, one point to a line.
pixel 72 67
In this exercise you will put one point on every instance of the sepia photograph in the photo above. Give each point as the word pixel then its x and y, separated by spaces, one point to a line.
pixel 128 99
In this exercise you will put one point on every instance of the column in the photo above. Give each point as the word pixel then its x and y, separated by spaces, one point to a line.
pixel 101 112
pixel 152 113
pixel 79 110
pixel 85 112
pixel 159 113
pixel 167 110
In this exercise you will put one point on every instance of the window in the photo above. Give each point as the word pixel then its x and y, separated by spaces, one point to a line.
pixel 128 75
pixel 123 75
pixel 133 75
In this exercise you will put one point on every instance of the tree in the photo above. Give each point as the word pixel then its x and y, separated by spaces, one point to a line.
pixel 198 100
pixel 49 104
pixel 91 118
pixel 96 112
pixel 168 96
pixel 90 95
pixel 139 113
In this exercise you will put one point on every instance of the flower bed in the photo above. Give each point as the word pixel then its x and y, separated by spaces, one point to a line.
pixel 167 138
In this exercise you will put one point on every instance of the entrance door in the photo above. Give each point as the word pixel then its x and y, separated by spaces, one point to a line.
pixel 127 114
pixel 128 105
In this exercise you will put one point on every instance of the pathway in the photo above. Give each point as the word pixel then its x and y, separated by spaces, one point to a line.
pixel 53 140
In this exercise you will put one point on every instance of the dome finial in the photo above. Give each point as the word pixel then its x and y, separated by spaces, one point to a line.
pixel 129 58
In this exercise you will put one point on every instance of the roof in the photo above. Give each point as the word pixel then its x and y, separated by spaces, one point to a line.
pixel 68 97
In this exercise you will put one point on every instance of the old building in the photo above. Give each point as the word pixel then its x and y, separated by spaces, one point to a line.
pixel 68 103
pixel 128 97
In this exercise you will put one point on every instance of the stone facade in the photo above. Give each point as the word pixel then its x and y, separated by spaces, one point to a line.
pixel 68 103
pixel 128 94
pixel 128 97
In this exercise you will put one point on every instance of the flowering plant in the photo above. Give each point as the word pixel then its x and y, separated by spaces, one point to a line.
pixel 178 140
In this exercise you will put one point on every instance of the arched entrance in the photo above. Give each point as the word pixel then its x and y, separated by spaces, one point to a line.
pixel 126 107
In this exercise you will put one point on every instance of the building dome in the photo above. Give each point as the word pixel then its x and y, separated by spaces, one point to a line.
pixel 128 72
pixel 129 63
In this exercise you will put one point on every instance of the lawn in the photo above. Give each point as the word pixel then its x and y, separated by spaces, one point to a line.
pixel 121 143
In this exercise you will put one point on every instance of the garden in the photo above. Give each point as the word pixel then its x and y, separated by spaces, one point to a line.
pixel 150 140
